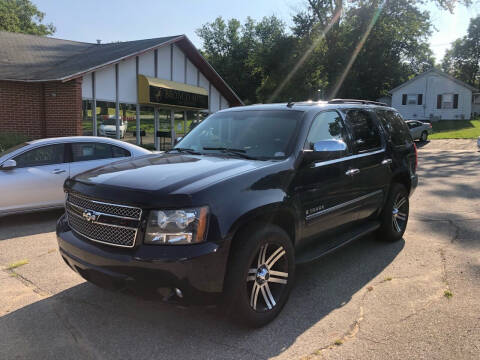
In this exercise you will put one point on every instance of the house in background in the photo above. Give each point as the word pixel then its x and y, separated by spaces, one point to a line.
pixel 434 95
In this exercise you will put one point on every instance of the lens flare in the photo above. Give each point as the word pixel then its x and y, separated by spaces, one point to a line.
pixel 305 56
pixel 355 53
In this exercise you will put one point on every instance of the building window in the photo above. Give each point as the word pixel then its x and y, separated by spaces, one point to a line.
pixel 447 101
pixel 412 99
pixel 476 98
pixel 87 120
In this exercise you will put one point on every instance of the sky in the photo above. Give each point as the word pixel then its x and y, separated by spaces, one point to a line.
pixel 123 20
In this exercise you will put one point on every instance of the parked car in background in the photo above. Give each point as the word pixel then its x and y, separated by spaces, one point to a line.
pixel 108 127
pixel 32 174
pixel 419 130
pixel 245 196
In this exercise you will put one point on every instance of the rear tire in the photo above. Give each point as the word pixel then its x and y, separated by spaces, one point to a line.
pixel 424 136
pixel 394 216
pixel 260 275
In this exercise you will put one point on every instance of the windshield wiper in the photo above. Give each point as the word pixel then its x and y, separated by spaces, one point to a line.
pixel 238 152
pixel 187 150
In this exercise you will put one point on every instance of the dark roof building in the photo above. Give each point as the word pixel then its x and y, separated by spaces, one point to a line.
pixel 117 79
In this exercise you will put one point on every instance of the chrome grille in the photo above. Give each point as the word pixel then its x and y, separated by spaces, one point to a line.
pixel 103 227
pixel 111 209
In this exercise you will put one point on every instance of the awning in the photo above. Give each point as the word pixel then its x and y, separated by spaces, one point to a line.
pixel 171 94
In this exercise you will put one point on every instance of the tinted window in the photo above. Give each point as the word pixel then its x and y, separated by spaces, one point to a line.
pixel 44 155
pixel 395 127
pixel 91 151
pixel 366 133
pixel 119 152
pixel 262 134
pixel 326 126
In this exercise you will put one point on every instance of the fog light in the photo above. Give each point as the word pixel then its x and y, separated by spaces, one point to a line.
pixel 179 293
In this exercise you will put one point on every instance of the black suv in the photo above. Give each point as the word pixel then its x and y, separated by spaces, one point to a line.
pixel 239 201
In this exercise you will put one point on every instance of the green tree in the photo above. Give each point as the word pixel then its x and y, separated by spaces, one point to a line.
pixel 245 55
pixel 335 48
pixel 462 60
pixel 371 46
pixel 23 17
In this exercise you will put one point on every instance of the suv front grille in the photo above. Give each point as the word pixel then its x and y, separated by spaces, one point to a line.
pixel 106 223
pixel 112 209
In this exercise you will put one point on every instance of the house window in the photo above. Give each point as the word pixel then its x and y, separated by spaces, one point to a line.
pixel 447 101
pixel 476 98
pixel 412 99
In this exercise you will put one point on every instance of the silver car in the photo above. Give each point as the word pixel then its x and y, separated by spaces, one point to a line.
pixel 32 174
pixel 419 130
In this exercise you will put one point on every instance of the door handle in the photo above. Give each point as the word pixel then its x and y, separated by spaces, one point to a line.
pixel 58 171
pixel 352 172
pixel 386 161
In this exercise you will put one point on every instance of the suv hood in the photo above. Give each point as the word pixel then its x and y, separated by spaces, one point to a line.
pixel 169 173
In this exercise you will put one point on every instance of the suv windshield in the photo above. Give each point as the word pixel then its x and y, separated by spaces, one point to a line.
pixel 259 134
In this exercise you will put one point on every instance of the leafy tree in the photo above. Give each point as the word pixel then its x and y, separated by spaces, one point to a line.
pixel 462 60
pixel 245 55
pixel 336 48
pixel 23 17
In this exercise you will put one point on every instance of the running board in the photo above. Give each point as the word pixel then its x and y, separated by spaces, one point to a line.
pixel 314 252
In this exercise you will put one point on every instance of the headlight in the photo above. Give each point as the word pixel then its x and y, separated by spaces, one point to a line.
pixel 176 227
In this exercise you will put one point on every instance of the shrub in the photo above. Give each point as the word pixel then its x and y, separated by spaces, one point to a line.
pixel 7 140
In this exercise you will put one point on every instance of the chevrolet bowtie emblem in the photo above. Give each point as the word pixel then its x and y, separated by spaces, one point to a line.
pixel 90 215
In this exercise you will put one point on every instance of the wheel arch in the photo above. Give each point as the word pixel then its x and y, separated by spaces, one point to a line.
pixel 273 214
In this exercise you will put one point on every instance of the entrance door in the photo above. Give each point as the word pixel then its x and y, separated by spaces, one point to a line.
pixel 164 133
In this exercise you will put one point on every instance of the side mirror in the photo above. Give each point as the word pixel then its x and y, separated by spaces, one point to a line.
pixel 9 165
pixel 177 140
pixel 326 150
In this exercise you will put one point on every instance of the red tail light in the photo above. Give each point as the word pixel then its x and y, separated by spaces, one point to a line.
pixel 416 157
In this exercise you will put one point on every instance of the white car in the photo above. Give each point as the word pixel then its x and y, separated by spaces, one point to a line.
pixel 32 174
pixel 108 128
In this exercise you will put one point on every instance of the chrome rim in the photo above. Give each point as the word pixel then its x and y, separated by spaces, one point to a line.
pixel 267 277
pixel 399 213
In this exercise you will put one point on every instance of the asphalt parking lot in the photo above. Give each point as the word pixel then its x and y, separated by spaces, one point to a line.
pixel 415 299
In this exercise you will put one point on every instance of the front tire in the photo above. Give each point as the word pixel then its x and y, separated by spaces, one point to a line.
pixel 394 216
pixel 260 275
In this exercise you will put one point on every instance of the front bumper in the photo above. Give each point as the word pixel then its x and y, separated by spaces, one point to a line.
pixel 197 270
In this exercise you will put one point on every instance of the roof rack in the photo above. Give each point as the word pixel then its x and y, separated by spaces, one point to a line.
pixel 355 101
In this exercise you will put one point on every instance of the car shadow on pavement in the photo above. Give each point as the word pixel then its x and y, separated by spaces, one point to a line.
pixel 85 321
pixel 19 225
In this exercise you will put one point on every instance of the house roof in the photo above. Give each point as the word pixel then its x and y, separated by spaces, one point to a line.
pixel 436 71
pixel 33 58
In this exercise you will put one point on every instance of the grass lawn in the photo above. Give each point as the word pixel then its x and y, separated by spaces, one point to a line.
pixel 455 129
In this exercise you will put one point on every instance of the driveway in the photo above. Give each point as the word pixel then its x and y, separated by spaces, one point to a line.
pixel 414 299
